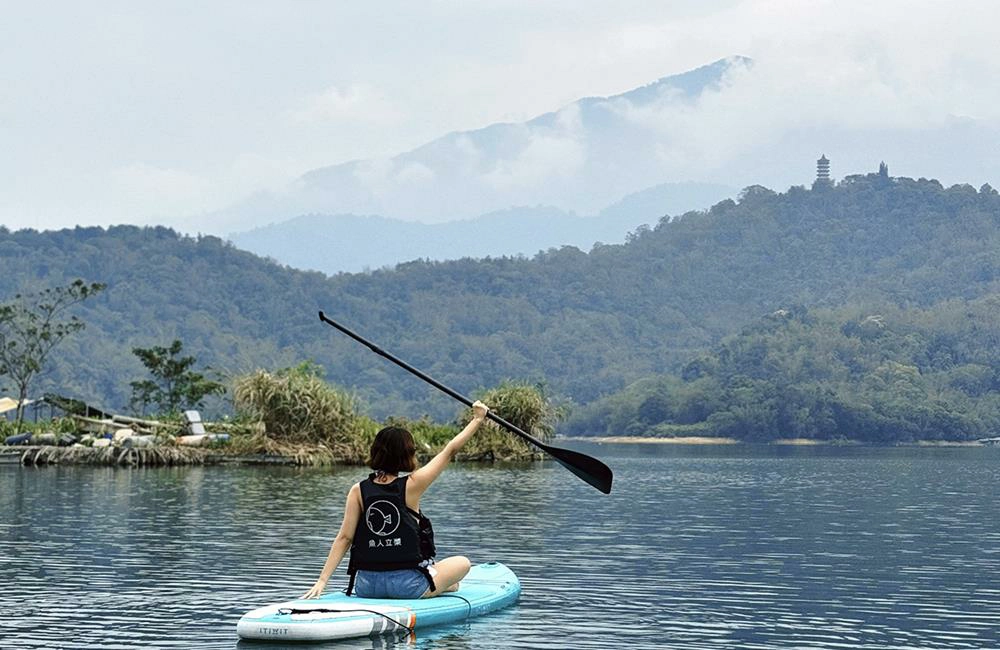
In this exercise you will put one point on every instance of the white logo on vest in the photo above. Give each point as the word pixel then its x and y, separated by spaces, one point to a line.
pixel 382 518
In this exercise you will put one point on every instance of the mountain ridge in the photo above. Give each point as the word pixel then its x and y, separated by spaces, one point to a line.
pixel 346 242
pixel 690 83
pixel 586 324
pixel 577 158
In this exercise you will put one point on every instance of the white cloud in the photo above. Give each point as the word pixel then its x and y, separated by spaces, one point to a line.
pixel 145 190
pixel 471 156
pixel 414 173
pixel 819 67
pixel 547 154
pixel 856 64
pixel 375 174
pixel 354 104
pixel 220 112
pixel 250 172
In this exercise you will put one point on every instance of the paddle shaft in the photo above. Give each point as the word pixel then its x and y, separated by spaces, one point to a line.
pixel 433 382
pixel 591 470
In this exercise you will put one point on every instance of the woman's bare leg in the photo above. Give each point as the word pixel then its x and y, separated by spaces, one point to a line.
pixel 449 572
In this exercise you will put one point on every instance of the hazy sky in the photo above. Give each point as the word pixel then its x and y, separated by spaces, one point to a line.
pixel 141 112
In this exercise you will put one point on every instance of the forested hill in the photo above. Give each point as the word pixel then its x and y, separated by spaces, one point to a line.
pixel 585 323
pixel 899 375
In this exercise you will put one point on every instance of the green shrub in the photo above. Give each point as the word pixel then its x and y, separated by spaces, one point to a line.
pixel 55 425
pixel 428 436
pixel 296 405
pixel 525 406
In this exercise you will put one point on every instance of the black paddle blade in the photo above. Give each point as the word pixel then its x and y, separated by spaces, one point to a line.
pixel 591 470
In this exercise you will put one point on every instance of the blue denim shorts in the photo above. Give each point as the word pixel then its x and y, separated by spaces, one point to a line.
pixel 404 583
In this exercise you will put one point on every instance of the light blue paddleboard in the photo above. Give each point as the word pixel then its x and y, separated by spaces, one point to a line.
pixel 487 587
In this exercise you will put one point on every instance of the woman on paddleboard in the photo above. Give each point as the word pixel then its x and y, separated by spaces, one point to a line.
pixel 391 542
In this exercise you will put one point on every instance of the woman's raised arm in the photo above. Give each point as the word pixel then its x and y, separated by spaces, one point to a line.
pixel 422 478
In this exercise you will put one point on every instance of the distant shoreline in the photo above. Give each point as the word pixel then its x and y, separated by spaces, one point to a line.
pixel 794 442
pixel 681 440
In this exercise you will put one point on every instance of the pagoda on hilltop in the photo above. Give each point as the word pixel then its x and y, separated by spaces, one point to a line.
pixel 822 173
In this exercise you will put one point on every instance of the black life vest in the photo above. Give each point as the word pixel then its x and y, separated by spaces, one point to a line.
pixel 389 535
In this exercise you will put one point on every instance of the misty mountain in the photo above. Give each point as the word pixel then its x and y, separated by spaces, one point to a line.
pixel 733 122
pixel 596 150
pixel 347 242
pixel 579 158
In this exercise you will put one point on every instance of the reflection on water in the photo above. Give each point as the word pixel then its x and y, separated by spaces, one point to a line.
pixel 695 548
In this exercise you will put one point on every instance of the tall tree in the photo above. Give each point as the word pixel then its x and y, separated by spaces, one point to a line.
pixel 174 384
pixel 31 326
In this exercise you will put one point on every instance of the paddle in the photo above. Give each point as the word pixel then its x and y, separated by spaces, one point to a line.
pixel 591 470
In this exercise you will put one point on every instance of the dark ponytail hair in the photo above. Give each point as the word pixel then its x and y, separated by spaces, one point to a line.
pixel 393 451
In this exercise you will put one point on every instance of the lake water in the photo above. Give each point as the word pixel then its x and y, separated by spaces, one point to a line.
pixel 697 547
